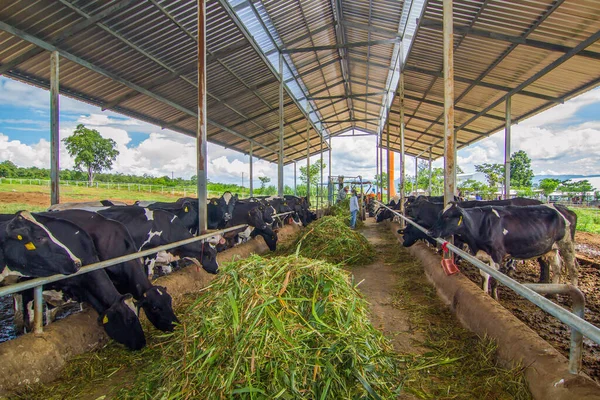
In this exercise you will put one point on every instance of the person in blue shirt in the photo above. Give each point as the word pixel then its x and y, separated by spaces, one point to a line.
pixel 353 208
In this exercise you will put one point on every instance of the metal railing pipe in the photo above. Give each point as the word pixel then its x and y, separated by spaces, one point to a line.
pixel 32 283
pixel 575 322
pixel 578 300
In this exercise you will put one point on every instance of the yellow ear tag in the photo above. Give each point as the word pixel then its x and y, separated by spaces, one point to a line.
pixel 105 319
pixel 185 209
pixel 19 237
pixel 29 246
pixel 459 221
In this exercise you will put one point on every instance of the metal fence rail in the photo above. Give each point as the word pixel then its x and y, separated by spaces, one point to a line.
pixel 575 322
pixel 37 283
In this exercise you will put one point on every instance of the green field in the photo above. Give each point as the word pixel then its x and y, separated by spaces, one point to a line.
pixel 588 219
pixel 14 197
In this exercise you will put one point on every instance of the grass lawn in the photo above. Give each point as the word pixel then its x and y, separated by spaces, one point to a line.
pixel 37 197
pixel 588 219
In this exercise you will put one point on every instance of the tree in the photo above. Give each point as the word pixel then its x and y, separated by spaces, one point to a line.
pixel 494 173
pixel 581 187
pixel 315 171
pixel 263 181
pixel 521 173
pixel 548 185
pixel 92 152
pixel 8 169
pixel 381 181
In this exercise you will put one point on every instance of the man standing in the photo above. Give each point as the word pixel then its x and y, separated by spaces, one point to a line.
pixel 353 209
pixel 342 194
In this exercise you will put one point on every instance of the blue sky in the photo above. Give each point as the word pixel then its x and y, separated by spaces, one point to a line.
pixel 563 140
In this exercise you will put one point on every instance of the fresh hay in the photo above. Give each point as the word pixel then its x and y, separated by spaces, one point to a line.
pixel 330 239
pixel 283 327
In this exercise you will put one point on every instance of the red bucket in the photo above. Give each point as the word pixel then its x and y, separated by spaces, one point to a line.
pixel 449 267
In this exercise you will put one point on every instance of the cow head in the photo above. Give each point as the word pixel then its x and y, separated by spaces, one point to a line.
pixel 269 235
pixel 30 248
pixel 227 202
pixel 157 305
pixel 209 258
pixel 410 235
pixel 449 222
pixel 122 324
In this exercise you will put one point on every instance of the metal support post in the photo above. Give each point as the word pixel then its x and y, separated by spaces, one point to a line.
pixel 54 129
pixel 507 149
pixel 429 185
pixel 280 164
pixel 295 182
pixel 252 171
pixel 389 153
pixel 578 301
pixel 320 188
pixel 402 150
pixel 329 186
pixel 202 116
pixel 449 144
pixel 307 155
pixel 377 166
pixel 416 176
pixel 38 310
pixel 381 166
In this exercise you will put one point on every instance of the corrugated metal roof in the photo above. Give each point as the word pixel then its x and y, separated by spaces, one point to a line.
pixel 541 52
pixel 139 58
pixel 341 63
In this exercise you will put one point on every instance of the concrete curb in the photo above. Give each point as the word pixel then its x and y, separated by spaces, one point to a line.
pixel 546 369
pixel 31 359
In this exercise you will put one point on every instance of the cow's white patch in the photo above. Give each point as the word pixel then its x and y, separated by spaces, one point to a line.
pixel 129 303
pixel 159 292
pixel 30 218
pixel 149 214
pixel 227 197
pixel 173 219
pixel 504 232
pixel 214 239
pixel 151 234
pixel 7 272
pixel 495 212
pixel 77 233
pixel 143 203
pixel 150 266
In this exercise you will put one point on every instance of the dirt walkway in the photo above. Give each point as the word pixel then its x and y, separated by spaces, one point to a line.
pixel 379 284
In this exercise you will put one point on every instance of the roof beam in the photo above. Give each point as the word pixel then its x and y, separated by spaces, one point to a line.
pixel 461 109
pixel 372 29
pixel 465 30
pixel 501 88
pixel 339 46
pixel 350 96
pixel 371 63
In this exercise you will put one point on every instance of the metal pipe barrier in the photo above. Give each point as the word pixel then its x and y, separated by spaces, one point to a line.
pixel 37 283
pixel 578 300
pixel 576 322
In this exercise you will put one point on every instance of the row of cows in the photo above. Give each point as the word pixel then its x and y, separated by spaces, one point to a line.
pixel 68 236
pixel 497 232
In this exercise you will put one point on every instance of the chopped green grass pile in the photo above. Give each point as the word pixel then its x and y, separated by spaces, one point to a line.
pixel 284 327
pixel 330 239
pixel 342 210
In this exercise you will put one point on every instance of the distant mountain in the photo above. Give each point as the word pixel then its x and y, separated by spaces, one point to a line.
pixel 538 178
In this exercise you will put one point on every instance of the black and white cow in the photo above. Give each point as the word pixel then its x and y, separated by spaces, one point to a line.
pixel 252 214
pixel 85 204
pixel 185 208
pixel 152 228
pixel 29 248
pixel 112 239
pixel 301 206
pixel 496 233
pixel 220 210
pixel 116 311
